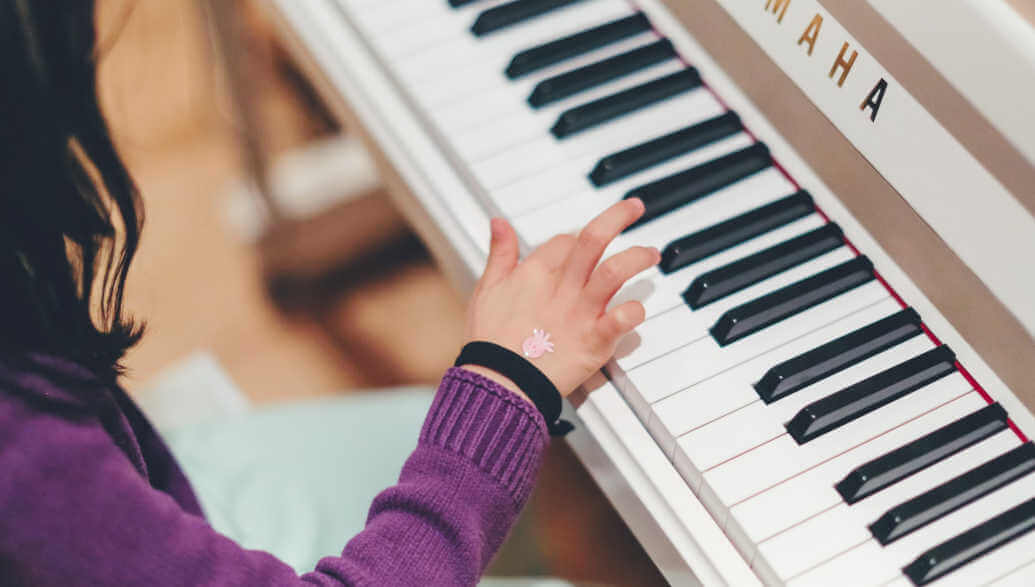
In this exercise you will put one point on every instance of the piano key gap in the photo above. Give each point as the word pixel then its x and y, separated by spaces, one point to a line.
pixel 800 522
pixel 743 452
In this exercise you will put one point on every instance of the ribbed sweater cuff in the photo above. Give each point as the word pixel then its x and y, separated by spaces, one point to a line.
pixel 479 419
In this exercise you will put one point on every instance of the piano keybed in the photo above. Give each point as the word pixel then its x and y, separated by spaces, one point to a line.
pixel 824 426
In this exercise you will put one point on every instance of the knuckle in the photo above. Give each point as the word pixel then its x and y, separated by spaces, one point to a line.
pixel 559 242
pixel 632 314
pixel 535 266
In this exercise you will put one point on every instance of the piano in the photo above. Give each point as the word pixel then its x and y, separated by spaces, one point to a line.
pixel 835 380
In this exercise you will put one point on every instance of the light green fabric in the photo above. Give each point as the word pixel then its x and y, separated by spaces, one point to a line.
pixel 297 479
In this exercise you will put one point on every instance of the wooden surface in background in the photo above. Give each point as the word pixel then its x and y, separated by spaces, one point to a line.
pixel 194 282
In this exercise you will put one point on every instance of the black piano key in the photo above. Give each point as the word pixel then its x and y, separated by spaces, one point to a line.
pixel 459 3
pixel 921 453
pixel 553 52
pixel 837 355
pixel 855 401
pixel 567 84
pixel 954 494
pixel 634 159
pixel 728 279
pixel 797 297
pixel 599 111
pixel 666 194
pixel 974 543
pixel 719 237
pixel 504 15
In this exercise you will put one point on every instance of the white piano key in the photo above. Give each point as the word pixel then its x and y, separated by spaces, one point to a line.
pixel 467 119
pixel 681 326
pixel 718 380
pixel 413 36
pixel 541 189
pixel 990 567
pixel 873 507
pixel 491 95
pixel 1022 575
pixel 725 203
pixel 446 95
pixel 572 213
pixel 771 463
pixel 547 152
pixel 818 539
pixel 694 363
pixel 860 515
pixel 409 36
pixel 521 126
pixel 1016 555
pixel 764 187
pixel 903 551
pixel 844 570
pixel 909 547
pixel 414 40
pixel 811 319
pixel 812 491
pixel 384 17
pixel 667 290
pixel 478 56
pixel 567 216
pixel 758 422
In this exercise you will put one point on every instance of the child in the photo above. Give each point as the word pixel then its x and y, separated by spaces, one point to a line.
pixel 89 493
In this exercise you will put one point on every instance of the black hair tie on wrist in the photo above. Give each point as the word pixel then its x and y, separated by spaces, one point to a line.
pixel 527 376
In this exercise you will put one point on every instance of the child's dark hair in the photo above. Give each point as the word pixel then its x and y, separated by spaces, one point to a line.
pixel 70 215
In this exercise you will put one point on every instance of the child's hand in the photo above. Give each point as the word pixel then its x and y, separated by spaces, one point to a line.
pixel 560 290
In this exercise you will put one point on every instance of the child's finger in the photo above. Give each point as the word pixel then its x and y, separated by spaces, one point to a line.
pixel 553 253
pixel 609 277
pixel 620 321
pixel 595 238
pixel 503 252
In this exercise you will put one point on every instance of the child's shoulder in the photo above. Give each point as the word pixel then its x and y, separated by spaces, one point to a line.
pixel 48 382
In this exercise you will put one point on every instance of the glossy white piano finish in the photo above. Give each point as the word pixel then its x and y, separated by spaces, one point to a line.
pixel 688 544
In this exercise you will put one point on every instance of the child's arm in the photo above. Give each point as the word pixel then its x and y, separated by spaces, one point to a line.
pixel 481 446
pixel 76 510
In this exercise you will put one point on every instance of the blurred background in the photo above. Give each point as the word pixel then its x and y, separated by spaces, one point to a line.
pixel 337 296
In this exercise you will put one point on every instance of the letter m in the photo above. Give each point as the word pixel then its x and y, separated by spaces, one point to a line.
pixel 778 6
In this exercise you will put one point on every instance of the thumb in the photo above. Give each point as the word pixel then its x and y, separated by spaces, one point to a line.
pixel 503 252
pixel 620 321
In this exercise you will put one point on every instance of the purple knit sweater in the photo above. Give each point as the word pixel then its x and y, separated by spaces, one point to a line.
pixel 90 495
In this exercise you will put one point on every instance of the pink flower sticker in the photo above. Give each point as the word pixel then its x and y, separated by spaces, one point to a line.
pixel 537 345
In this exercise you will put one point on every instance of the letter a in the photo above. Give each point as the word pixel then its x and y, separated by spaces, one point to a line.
pixel 875 98
pixel 811 33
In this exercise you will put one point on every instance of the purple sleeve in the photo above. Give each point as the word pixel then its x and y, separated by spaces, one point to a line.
pixel 77 512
